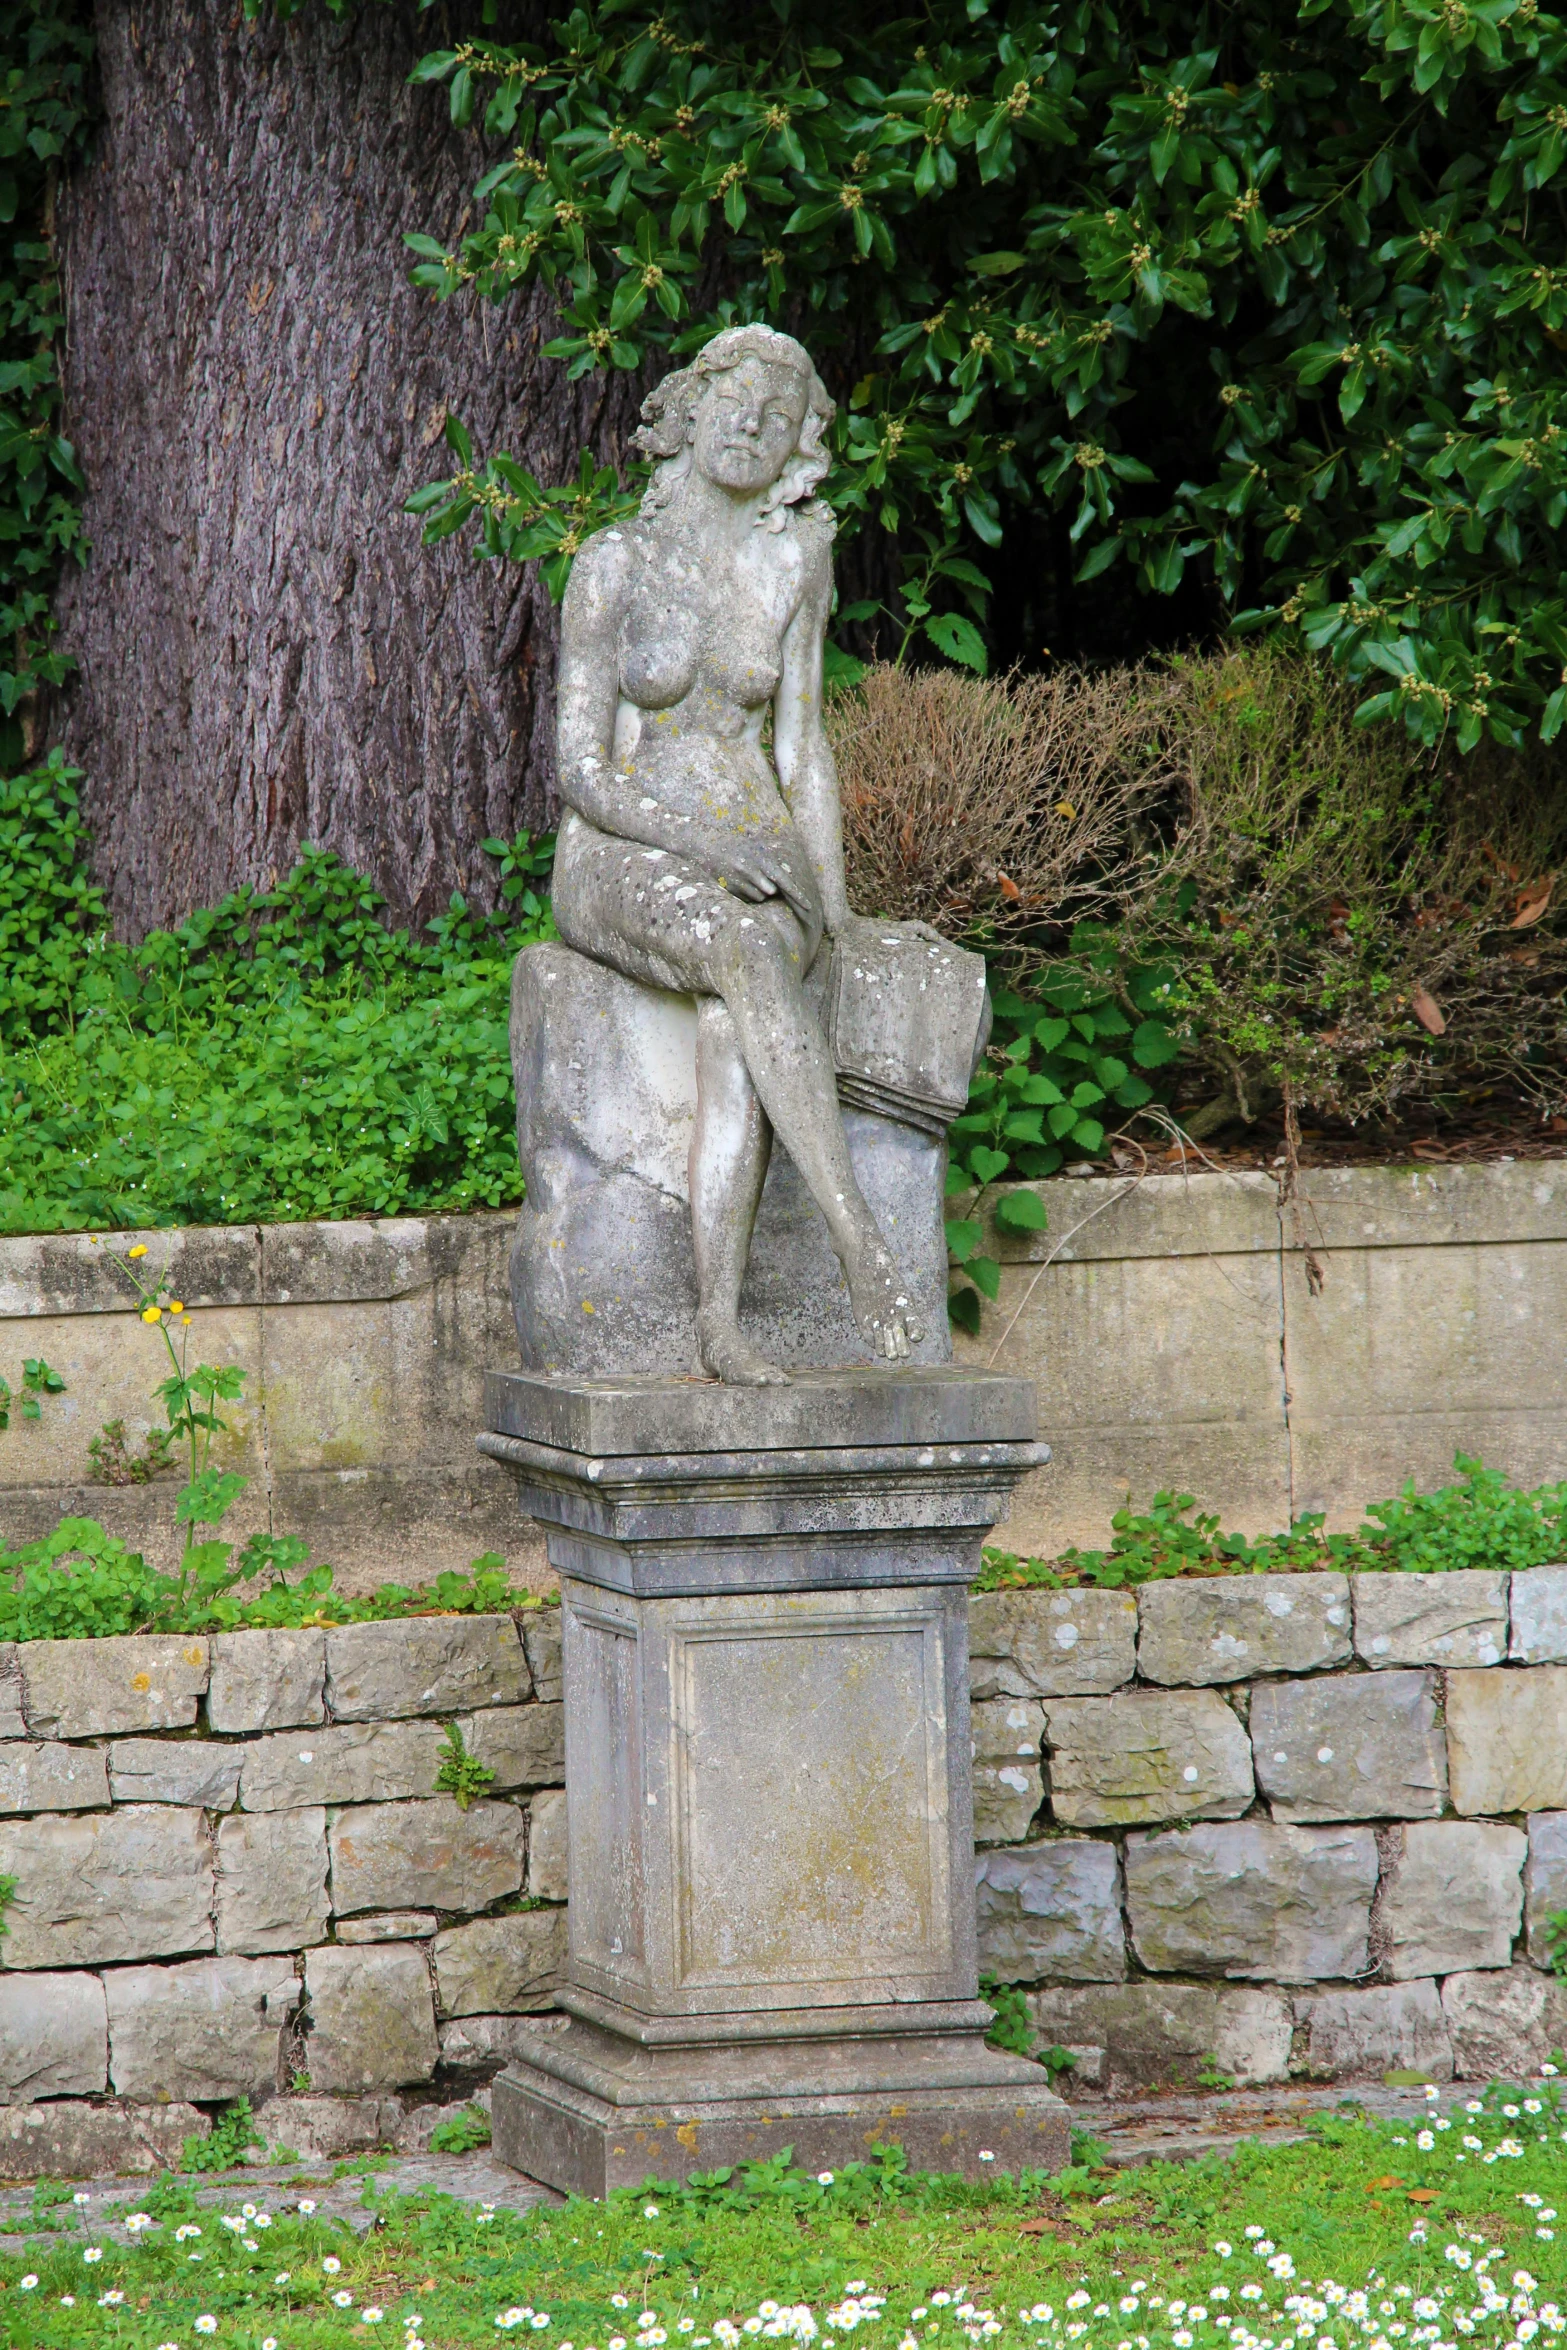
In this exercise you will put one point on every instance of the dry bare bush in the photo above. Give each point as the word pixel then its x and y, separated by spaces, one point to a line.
pixel 998 805
pixel 1344 916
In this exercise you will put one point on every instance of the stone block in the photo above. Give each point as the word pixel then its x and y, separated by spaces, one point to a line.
pixel 45 1775
pixel 94 1888
pixel 501 1966
pixel 1051 1643
pixel 1051 1909
pixel 105 1688
pixel 1360 2035
pixel 547 1845
pixel 1350 1746
pixel 541 1640
pixel 1009 1783
pixel 1158 2035
pixel 470 2041
pixel 424 1665
pixel 1499 2023
pixel 1146 1757
pixel 1538 1614
pixel 372 2018
pixel 1252 1901
pixel 1544 1882
pixel 1507 1739
pixel 13 1721
pixel 605 1079
pixel 389 1925
pixel 208 2030
pixel 1234 1627
pixel 361 1762
pixel 524 1745
pixel 175 1770
pixel 325 2129
pixel 267 1680
pixel 70 2140
pixel 1453 1619
pixel 1451 1897
pixel 54 2037
pixel 426 1855
pixel 271 1886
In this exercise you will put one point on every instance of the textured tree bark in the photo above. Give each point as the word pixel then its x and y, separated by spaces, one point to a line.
pixel 267 653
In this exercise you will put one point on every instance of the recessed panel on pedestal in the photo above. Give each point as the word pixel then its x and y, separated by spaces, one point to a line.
pixel 811 1801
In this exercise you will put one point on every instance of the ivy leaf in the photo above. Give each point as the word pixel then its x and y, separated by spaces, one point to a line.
pixel 985 1274
pixel 959 639
pixel 963 1238
pixel 963 1310
pixel 1021 1211
pixel 1154 1044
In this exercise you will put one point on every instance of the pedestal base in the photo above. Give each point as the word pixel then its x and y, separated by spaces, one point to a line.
pixel 771 1937
pixel 586 2110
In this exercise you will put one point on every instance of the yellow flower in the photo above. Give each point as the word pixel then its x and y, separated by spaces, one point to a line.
pixel 152 1313
pixel 140 1250
pixel 175 1306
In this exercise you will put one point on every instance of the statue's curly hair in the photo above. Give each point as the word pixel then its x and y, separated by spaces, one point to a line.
pixel 665 433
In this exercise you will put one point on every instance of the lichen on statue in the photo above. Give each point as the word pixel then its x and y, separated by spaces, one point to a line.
pixel 688 859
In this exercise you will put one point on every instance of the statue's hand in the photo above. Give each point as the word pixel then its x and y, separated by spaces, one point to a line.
pixel 755 871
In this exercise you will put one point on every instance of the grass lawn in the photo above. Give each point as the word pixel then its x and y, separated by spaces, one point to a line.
pixel 1372 2234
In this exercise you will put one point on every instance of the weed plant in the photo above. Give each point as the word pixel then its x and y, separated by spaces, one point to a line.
pixel 1479 1521
pixel 1368 2234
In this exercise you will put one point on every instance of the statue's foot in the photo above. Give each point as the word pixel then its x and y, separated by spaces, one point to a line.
pixel 728 1356
pixel 882 1306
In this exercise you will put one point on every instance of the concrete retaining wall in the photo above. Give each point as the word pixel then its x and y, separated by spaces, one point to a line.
pixel 233 1876
pixel 1169 1323
pixel 1279 1826
pixel 1177 1339
pixel 364 1345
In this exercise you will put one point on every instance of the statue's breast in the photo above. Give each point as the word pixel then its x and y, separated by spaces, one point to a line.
pixel 712 633
pixel 659 652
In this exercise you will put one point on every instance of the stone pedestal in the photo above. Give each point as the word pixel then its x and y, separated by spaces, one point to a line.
pixel 768 1774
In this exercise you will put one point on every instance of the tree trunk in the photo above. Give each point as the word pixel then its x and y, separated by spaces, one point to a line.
pixel 267 653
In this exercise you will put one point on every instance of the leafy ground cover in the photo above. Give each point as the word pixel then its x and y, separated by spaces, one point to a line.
pixel 1478 1521
pixel 1370 2233
pixel 81 1582
pixel 279 1057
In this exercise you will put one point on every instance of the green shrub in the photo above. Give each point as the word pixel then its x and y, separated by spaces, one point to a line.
pixel 1480 1521
pixel 281 1057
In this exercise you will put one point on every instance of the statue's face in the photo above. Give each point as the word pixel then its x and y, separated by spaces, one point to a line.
pixel 747 425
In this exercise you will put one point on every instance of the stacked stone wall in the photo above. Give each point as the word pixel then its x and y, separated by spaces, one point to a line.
pixel 1250 1829
pixel 1276 1827
pixel 232 1876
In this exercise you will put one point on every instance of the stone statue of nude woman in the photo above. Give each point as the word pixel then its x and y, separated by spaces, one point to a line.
pixel 689 859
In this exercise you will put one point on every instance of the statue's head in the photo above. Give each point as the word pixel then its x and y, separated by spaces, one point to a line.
pixel 750 413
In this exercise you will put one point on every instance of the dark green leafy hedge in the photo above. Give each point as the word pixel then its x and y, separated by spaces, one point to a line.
pixel 1274 290
pixel 44 58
